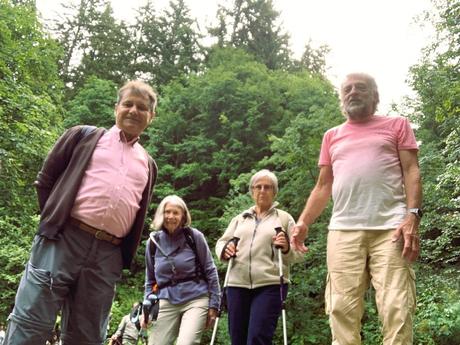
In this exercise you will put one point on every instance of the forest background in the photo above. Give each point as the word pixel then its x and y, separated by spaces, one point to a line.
pixel 225 111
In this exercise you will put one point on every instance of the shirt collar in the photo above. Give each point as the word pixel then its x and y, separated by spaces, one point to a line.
pixel 252 211
pixel 121 136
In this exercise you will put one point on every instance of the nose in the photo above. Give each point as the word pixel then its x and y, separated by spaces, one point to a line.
pixel 133 109
pixel 353 90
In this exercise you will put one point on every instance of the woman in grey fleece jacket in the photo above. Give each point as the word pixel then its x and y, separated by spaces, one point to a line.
pixel 253 293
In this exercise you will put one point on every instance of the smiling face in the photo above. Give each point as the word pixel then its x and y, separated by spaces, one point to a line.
pixel 133 114
pixel 263 193
pixel 359 97
pixel 173 217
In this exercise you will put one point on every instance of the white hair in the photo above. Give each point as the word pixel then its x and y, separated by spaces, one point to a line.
pixel 175 200
pixel 264 173
pixel 370 80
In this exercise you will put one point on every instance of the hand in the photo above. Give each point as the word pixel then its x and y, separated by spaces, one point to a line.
pixel 229 251
pixel 408 230
pixel 114 337
pixel 280 241
pixel 298 236
pixel 212 314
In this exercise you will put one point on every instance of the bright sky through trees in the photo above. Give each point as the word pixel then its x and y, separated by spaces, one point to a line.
pixel 373 36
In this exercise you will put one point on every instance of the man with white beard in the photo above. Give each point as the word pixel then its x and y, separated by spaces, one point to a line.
pixel 369 166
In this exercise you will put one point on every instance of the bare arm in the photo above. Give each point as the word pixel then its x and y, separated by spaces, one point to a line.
pixel 408 229
pixel 315 205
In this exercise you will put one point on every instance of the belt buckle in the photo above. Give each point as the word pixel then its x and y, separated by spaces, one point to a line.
pixel 100 235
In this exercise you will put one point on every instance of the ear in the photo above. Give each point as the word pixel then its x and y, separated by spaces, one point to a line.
pixel 152 116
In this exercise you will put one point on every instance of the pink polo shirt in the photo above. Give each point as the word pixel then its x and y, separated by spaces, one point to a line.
pixel 368 189
pixel 112 186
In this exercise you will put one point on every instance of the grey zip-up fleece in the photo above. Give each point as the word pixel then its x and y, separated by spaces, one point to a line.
pixel 256 263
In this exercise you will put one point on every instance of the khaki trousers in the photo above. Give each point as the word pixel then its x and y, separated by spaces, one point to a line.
pixel 354 259
pixel 185 322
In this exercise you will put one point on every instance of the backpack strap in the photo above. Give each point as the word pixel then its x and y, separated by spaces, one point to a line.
pixel 153 248
pixel 86 130
pixel 190 241
pixel 199 269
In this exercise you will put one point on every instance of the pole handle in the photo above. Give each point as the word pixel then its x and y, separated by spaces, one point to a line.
pixel 278 229
pixel 235 240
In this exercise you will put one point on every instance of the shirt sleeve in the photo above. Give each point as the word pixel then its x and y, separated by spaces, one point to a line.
pixel 227 236
pixel 121 327
pixel 149 269
pixel 55 163
pixel 324 155
pixel 406 136
pixel 210 270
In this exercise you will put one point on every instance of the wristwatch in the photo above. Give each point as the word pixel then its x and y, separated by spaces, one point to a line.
pixel 417 211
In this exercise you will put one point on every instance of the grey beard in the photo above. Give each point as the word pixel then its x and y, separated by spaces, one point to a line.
pixel 357 112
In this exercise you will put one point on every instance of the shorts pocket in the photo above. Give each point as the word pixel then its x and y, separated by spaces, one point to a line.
pixel 328 295
pixel 412 299
pixel 38 276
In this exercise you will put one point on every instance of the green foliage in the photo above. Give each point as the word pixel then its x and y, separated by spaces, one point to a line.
pixel 252 25
pixel 14 252
pixel 223 122
pixel 29 122
pixel 28 55
pixel 313 59
pixel 295 154
pixel 224 113
pixel 108 50
pixel 307 321
pixel 312 105
pixel 102 45
pixel 93 104
pixel 437 81
pixel 164 47
pixel 437 320
pixel 28 118
pixel 168 47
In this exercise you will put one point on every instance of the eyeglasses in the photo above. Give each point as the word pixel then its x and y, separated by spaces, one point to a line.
pixel 259 187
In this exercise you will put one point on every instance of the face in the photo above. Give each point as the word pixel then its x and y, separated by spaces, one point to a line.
pixel 263 192
pixel 358 98
pixel 173 217
pixel 133 114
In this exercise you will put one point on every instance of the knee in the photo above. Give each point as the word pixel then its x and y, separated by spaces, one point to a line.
pixel 26 331
pixel 341 299
pixel 33 323
pixel 398 303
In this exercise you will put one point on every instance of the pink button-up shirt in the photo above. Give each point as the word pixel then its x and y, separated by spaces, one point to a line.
pixel 112 186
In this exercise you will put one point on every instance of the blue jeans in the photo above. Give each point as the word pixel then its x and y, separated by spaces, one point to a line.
pixel 76 274
pixel 253 314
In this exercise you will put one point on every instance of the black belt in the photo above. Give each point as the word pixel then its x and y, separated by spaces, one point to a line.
pixel 99 234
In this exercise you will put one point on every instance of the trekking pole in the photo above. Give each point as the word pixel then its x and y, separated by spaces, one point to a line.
pixel 224 290
pixel 283 305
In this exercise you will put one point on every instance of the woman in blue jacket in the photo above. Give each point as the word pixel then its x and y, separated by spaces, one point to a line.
pixel 181 271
